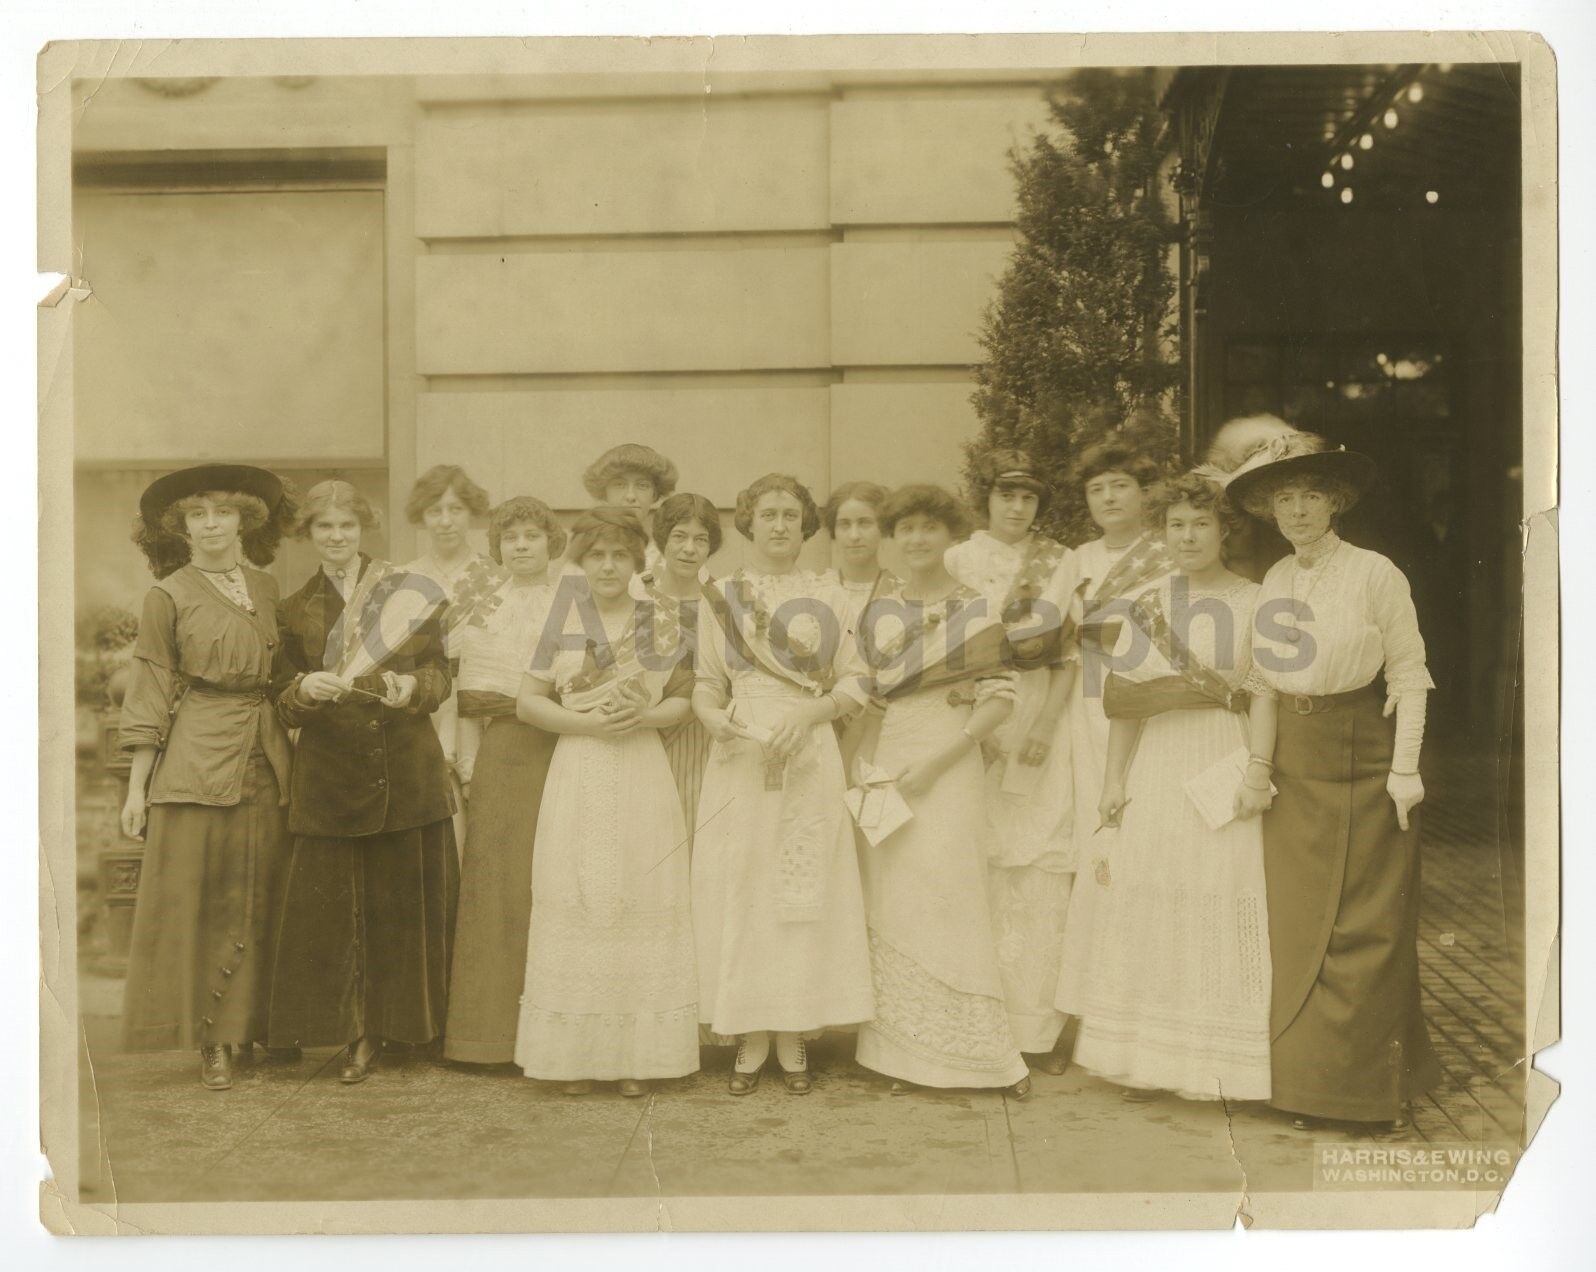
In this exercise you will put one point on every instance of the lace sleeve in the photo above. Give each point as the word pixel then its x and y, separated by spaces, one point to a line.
pixel 1001 684
pixel 1255 683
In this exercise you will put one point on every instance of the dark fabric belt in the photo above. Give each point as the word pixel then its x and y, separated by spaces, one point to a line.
pixel 216 691
pixel 1141 700
pixel 1313 704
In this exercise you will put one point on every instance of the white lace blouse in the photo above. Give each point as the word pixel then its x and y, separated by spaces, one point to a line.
pixel 1352 614
pixel 987 564
pixel 495 656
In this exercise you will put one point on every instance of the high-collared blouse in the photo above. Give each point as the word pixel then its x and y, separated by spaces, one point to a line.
pixel 1352 614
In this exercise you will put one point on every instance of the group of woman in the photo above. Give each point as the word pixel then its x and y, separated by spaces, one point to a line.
pixel 588 809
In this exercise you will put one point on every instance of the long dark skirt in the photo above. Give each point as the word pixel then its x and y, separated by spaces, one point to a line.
pixel 1349 1040
pixel 367 929
pixel 496 893
pixel 200 966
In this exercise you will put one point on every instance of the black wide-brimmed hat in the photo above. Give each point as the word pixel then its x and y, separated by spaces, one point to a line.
pixel 246 479
pixel 1295 454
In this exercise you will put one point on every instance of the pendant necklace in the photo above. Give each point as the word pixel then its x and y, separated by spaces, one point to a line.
pixel 1294 635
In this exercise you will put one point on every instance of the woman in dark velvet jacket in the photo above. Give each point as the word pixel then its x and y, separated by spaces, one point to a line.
pixel 368 910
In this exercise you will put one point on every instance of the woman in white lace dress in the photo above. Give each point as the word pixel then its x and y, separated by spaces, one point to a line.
pixel 1112 570
pixel 940 1015
pixel 611 988
pixel 1171 978
pixel 1026 580
pixel 776 899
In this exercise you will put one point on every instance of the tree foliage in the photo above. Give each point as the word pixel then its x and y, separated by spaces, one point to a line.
pixel 1075 337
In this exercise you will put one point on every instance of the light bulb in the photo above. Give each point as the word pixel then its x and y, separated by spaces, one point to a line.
pixel 1415 92
pixel 1366 142
pixel 1432 196
pixel 1327 180
pixel 1346 195
pixel 1346 162
pixel 1392 119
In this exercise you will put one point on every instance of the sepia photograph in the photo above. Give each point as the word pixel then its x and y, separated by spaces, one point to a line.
pixel 851 632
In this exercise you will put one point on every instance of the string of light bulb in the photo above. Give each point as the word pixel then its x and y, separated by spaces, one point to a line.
pixel 1383 111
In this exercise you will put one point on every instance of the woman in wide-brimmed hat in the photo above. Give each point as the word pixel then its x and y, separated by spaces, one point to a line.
pixel 1338 641
pixel 210 772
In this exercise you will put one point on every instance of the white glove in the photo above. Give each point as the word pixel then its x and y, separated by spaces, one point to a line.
pixel 1406 792
pixel 1409 707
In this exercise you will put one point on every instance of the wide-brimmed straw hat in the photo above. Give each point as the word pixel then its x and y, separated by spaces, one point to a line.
pixel 246 479
pixel 1294 454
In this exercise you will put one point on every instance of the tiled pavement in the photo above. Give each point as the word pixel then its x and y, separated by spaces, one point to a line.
pixel 420 1128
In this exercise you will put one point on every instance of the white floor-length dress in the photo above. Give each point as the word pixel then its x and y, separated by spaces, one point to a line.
pixel 611 984
pixel 941 1019
pixel 1171 976
pixel 1031 836
pixel 777 905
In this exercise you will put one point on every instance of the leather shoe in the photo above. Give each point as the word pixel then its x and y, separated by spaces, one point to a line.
pixel 1048 1062
pixel 216 1066
pixel 357 1063
pixel 1021 1090
pixel 742 1083
pixel 632 1088
pixel 796 1080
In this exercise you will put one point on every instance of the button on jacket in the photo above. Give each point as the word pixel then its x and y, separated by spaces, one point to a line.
pixel 361 767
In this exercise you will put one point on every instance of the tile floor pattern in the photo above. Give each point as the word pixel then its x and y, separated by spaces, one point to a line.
pixel 423 1129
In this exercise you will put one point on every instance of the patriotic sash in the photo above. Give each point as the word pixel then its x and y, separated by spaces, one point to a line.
pixel 386 609
pixel 1206 687
pixel 1030 648
pixel 931 652
pixel 609 670
pixel 753 635
pixel 474 596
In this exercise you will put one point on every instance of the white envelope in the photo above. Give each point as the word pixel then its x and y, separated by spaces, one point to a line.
pixel 1213 791
pixel 875 804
